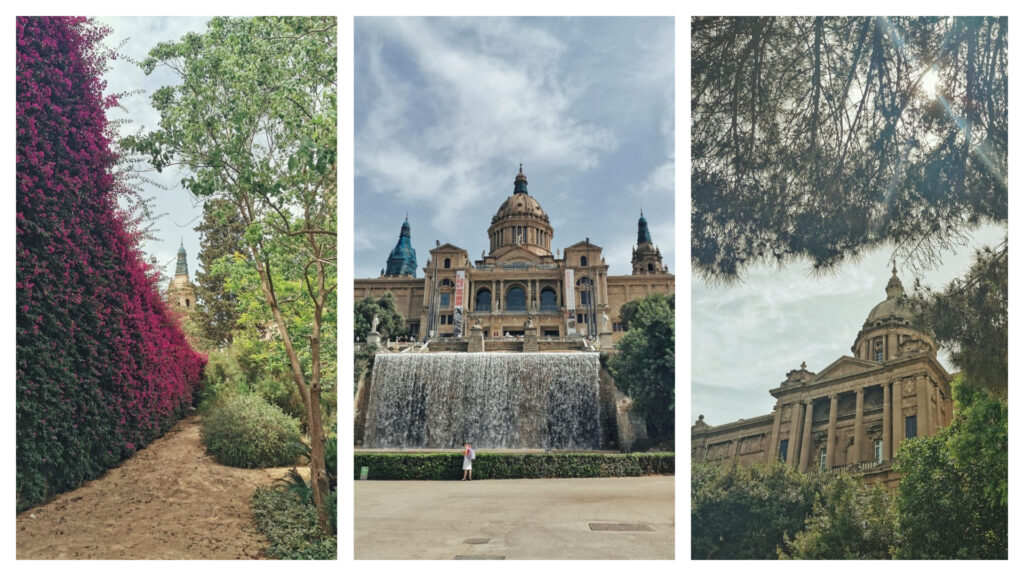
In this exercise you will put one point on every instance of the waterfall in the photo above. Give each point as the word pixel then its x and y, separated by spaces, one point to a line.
pixel 491 400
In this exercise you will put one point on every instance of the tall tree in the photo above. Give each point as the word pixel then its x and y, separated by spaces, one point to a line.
pixel 254 120
pixel 643 365
pixel 216 312
pixel 821 138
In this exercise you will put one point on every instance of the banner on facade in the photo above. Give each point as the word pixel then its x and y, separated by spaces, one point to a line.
pixel 460 292
pixel 570 303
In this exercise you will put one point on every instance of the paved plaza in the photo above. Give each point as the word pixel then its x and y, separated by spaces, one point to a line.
pixel 588 518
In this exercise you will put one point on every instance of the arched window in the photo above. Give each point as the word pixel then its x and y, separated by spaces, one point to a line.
pixel 583 260
pixel 548 300
pixel 483 301
pixel 187 303
pixel 447 262
pixel 650 267
pixel 515 299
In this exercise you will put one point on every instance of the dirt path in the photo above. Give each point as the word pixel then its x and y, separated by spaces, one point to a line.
pixel 169 501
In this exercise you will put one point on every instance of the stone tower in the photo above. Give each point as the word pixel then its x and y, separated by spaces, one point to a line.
pixel 646 256
pixel 402 260
pixel 181 293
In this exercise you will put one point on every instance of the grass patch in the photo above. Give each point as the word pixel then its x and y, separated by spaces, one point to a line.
pixel 505 466
pixel 289 522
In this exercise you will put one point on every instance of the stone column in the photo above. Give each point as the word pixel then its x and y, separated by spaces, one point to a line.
pixel 886 422
pixel 794 433
pixel 897 416
pixel 833 410
pixel 858 428
pixel 805 448
pixel 773 448
pixel 924 405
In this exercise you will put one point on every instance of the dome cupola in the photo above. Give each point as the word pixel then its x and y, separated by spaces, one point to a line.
pixel 520 222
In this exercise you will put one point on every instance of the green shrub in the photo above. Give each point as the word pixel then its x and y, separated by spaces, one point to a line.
pixel 447 466
pixel 222 379
pixel 247 432
pixel 289 523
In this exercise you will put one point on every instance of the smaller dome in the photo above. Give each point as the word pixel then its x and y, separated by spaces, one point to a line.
pixel 893 305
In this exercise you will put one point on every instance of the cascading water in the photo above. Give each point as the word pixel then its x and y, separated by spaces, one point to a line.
pixel 492 400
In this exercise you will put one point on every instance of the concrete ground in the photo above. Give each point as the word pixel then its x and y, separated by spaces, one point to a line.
pixel 516 519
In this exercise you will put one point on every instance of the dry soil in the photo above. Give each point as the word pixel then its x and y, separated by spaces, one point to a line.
pixel 169 501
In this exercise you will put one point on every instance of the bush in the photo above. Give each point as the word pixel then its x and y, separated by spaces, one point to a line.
pixel 102 365
pixel 289 523
pixel 447 466
pixel 248 432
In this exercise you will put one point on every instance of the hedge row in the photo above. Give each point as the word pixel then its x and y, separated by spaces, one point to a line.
pixel 445 466
pixel 102 366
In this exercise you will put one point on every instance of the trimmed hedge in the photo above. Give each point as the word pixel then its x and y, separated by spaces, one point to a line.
pixel 248 432
pixel 289 523
pixel 103 367
pixel 446 466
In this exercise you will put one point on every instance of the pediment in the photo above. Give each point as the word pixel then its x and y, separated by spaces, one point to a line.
pixel 845 366
pixel 447 247
pixel 582 245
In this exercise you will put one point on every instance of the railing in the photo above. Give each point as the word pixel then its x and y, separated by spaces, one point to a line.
pixel 863 466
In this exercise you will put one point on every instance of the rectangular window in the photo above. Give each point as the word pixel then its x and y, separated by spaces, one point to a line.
pixel 879 353
pixel 446 299
pixel 584 297
pixel 821 465
pixel 617 327
pixel 444 319
pixel 878 451
pixel 783 450
pixel 911 426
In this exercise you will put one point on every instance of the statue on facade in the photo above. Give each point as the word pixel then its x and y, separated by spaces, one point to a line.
pixel 373 325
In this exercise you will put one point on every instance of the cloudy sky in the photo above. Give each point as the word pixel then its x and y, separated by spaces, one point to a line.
pixel 179 212
pixel 446 108
pixel 746 337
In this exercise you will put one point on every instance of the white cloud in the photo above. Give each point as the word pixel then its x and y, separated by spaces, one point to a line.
pixel 482 106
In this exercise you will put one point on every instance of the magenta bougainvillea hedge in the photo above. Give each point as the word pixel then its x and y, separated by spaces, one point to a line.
pixel 102 366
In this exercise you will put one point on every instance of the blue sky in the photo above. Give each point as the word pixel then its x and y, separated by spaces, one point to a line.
pixel 746 337
pixel 446 108
pixel 179 212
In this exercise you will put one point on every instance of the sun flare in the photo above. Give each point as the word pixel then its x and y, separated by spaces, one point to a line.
pixel 930 83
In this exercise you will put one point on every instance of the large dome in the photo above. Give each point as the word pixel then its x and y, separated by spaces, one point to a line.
pixel 520 224
pixel 520 203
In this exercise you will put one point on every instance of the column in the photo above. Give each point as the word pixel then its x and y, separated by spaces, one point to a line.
pixel 529 294
pixel 886 422
pixel 794 433
pixel 805 448
pixel 924 405
pixel 858 428
pixel 833 410
pixel 897 416
pixel 773 449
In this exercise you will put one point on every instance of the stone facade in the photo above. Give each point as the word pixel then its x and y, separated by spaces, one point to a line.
pixel 520 281
pixel 855 413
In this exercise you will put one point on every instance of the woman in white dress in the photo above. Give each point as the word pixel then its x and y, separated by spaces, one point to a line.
pixel 467 461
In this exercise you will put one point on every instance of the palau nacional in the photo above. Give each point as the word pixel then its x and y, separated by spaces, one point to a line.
pixel 519 293
pixel 854 414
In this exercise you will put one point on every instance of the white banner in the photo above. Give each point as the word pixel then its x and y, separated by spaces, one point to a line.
pixel 570 303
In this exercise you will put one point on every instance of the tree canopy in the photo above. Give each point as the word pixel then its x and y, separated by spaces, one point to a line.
pixel 822 138
pixel 952 499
